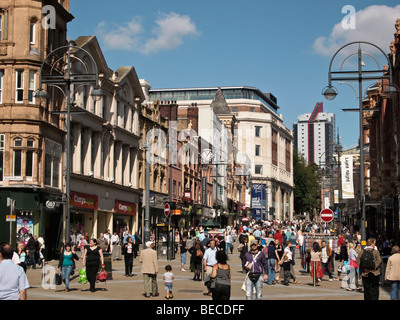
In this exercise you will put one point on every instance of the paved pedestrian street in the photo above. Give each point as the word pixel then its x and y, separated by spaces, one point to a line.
pixel 184 288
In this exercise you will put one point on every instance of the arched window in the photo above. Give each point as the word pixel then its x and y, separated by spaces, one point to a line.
pixel 17 161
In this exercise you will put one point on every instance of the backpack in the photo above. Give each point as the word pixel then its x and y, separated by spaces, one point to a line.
pixel 367 260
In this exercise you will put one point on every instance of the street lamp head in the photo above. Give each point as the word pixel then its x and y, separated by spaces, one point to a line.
pixel 392 89
pixel 41 96
pixel 330 92
pixel 97 94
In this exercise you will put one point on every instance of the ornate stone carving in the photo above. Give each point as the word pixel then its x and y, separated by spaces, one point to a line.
pixel 3 50
pixel 397 26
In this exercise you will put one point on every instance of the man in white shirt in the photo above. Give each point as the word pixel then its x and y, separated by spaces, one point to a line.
pixel 326 259
pixel 208 261
pixel 13 280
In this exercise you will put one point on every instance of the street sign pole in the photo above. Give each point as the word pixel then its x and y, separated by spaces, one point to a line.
pixel 167 214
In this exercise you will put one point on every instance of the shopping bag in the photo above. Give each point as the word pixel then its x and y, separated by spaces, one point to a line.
pixel 82 276
pixel 102 276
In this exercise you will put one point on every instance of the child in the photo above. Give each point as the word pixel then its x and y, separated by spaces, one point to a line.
pixel 168 277
pixel 286 268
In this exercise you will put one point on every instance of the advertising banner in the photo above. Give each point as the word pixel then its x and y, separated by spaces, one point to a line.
pixel 258 200
pixel 347 177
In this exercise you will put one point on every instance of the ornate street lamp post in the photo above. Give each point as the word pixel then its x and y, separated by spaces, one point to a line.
pixel 359 76
pixel 60 64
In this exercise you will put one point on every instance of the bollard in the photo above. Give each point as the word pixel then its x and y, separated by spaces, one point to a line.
pixel 314 274
pixel 107 265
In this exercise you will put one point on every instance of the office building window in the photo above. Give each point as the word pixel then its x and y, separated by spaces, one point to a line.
pixel 52 164
pixel 17 157
pixel 19 86
pixel 29 159
pixel 1 85
pixel 1 156
pixel 258 169
pixel 258 152
pixel 32 37
pixel 32 76
pixel 258 131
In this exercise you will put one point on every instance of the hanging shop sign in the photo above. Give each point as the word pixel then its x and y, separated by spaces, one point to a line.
pixel 347 177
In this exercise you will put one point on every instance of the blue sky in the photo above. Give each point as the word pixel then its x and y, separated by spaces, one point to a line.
pixel 279 47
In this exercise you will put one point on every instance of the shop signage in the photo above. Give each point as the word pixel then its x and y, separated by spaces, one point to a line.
pixel 126 208
pixel 188 194
pixel 82 200
pixel 204 191
pixel 11 218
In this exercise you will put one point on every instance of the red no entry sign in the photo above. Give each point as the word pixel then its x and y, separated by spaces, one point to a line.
pixel 166 210
pixel 326 215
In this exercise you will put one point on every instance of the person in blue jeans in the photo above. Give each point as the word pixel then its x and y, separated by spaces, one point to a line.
pixel 67 264
pixel 272 256
pixel 255 263
pixel 392 273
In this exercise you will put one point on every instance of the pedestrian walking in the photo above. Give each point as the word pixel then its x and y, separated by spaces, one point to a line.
pixel 326 259
pixel 221 272
pixel 243 248
pixel 67 264
pixel 316 266
pixel 127 250
pixel 136 243
pixel 287 252
pixel 286 263
pixel 370 263
pixel 229 242
pixel 353 267
pixel 168 281
pixel 92 257
pixel 22 255
pixel 103 242
pixel 343 254
pixel 148 259
pixel 392 273
pixel 256 265
pixel 196 260
pixel 208 262
pixel 273 258
pixel 279 251
pixel 184 249
pixel 31 247
pixel 13 280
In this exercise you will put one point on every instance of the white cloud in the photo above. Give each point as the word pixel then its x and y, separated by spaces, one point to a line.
pixel 374 24
pixel 169 34
pixel 125 37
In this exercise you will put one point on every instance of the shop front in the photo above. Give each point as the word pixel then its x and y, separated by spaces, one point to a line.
pixel 84 211
pixel 125 217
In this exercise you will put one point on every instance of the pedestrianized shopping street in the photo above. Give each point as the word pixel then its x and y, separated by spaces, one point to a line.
pixel 184 288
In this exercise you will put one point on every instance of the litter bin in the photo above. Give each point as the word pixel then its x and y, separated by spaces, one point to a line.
pixel 108 264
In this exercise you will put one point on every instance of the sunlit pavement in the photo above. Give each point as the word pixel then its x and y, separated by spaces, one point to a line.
pixel 184 288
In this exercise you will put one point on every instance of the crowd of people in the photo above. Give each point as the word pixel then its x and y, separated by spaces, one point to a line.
pixel 267 251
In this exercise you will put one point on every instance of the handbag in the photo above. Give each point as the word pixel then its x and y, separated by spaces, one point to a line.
pixel 354 264
pixel 254 277
pixel 102 275
pixel 243 287
pixel 57 279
